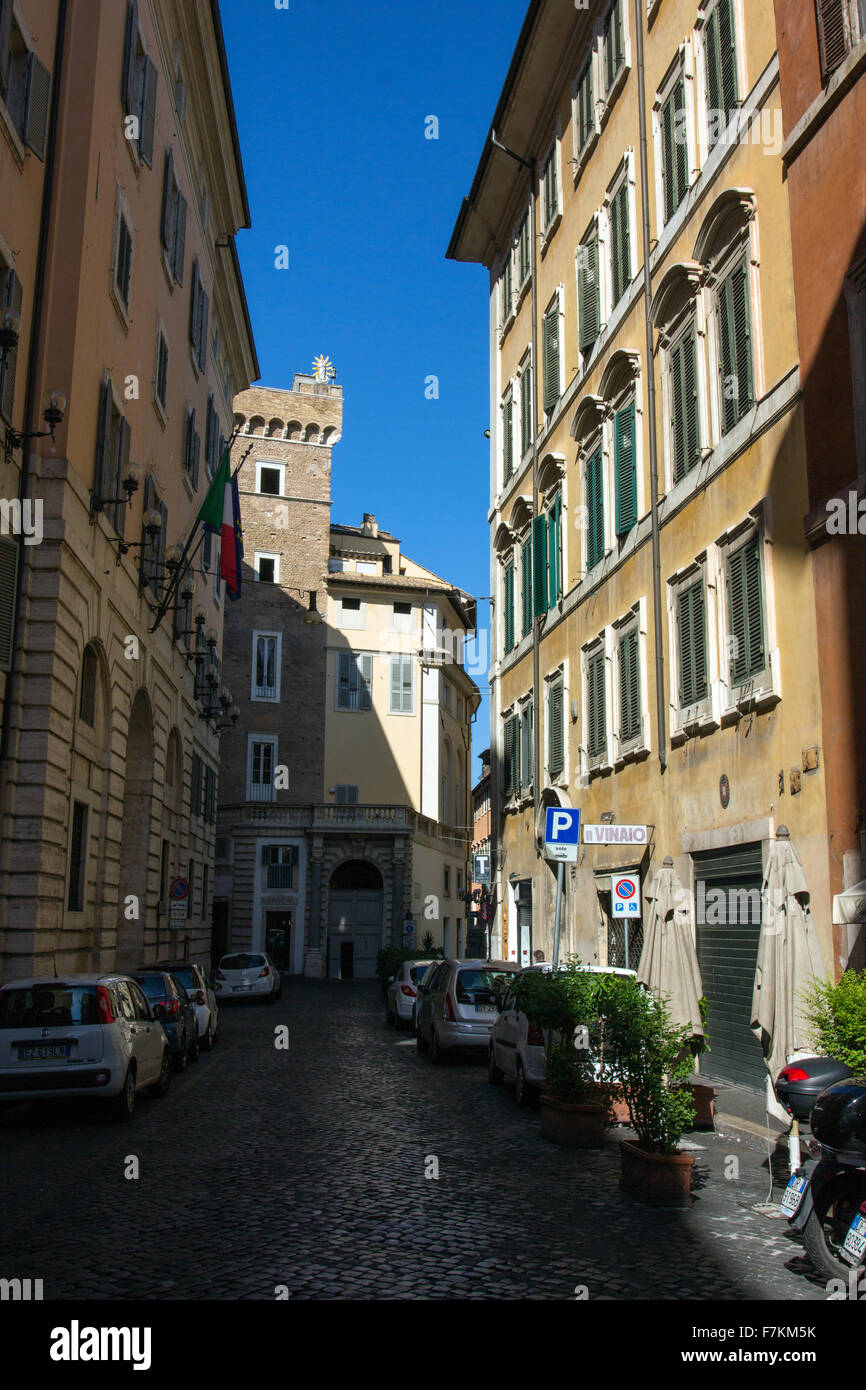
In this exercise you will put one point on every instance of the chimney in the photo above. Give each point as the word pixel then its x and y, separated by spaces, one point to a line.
pixel 369 527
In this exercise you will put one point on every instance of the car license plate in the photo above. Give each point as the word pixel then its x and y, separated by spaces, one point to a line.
pixel 485 1008
pixel 854 1245
pixel 236 989
pixel 794 1195
pixel 39 1051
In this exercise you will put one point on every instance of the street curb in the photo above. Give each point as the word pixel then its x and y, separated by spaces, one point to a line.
pixel 735 1124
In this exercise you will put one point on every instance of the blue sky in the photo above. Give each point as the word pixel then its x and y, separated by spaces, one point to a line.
pixel 331 104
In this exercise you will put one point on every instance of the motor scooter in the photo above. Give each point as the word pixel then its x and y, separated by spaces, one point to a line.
pixel 825 1200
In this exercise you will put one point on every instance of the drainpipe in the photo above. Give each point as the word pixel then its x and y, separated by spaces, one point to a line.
pixel 13 679
pixel 639 9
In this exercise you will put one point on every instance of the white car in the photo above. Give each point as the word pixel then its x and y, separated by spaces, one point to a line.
pixel 403 991
pixel 248 975
pixel 516 1048
pixel 86 1036
pixel 198 985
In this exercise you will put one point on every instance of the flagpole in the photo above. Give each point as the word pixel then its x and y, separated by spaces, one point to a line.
pixel 165 603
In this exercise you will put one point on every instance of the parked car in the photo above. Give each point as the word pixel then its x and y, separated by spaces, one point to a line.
pixel 173 1007
pixel 83 1036
pixel 458 1008
pixel 248 975
pixel 403 991
pixel 199 986
pixel 421 989
pixel 516 1047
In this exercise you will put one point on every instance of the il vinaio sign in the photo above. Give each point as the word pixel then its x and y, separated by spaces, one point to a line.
pixel 614 834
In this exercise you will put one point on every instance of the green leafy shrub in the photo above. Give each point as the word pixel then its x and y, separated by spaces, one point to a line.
pixel 652 1061
pixel 837 1015
pixel 560 1002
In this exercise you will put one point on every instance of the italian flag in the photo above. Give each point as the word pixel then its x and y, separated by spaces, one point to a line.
pixel 221 514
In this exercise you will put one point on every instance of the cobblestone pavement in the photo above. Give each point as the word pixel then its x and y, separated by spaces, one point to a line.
pixel 306 1168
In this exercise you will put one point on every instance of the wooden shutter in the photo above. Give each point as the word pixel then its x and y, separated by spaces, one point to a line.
pixel 507 439
pixel 120 465
pixel 620 244
pixel 625 470
pixel 202 341
pixel 555 743
pixel 554 560
pixel 834 34
pixel 179 239
pixel 526 586
pixel 729 87
pixel 597 732
pixel 8 583
pixel 5 53
pixel 585 113
pixel 345 687
pixel 10 298
pixel 129 56
pixel 539 565
pixel 526 745
pixel 148 112
pixel 589 307
pixel 194 312
pixel 167 217
pixel 37 94
pixel 525 410
pixel 595 510
pixel 510 741
pixel 103 436
pixel 629 686
pixel 693 645
pixel 550 349
pixel 735 332
pixel 401 685
pixel 685 439
pixel 508 607
pixel 365 681
pixel 745 612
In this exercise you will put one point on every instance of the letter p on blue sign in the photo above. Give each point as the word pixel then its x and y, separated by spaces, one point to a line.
pixel 562 833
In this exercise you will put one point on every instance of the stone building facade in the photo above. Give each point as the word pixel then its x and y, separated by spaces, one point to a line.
pixel 111 205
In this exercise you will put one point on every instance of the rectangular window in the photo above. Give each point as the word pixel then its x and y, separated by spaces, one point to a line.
pixel 596 727
pixel 594 493
pixel 526 586
pixel 550 187
pixel 625 470
pixel 345 795
pixel 269 481
pixel 354 681
pixel 588 295
pixel 173 219
pixel 735 347
pixel 584 102
pixel 620 243
pixel 401 699
pixel 692 641
pixel 281 866
pixel 629 686
pixel 524 261
pixel 511 756
pixel 25 83
pixel 10 298
pixel 525 409
pixel 262 770
pixel 123 261
pixel 675 148
pixel 161 380
pixel 139 85
pixel 555 729
pixel 507 438
pixel 508 607
pixel 613 44
pixel 199 307
pixel 112 456
pixel 550 368
pixel 506 292
pixel 746 613
pixel 526 745
pixel 77 858
pixel 266 675
pixel 684 422
pixel 267 568
pixel 720 51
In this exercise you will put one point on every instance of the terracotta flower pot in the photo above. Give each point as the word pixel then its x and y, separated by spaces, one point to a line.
pixel 618 1112
pixel 578 1125
pixel 704 1097
pixel 660 1180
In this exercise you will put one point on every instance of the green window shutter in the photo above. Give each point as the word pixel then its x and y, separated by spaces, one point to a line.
pixel 625 469
pixel 613 43
pixel 526 586
pixel 746 612
pixel 525 410
pixel 8 580
pixel 714 73
pixel 554 552
pixel 620 244
pixel 693 645
pixel 735 333
pixel 507 439
pixel 675 150
pixel 526 745
pixel 550 350
pixel 38 90
pixel 555 740
pixel 727 41
pixel 684 407
pixel 510 754
pixel 629 687
pixel 595 510
pixel 148 113
pixel 589 304
pixel 585 107
pixel 539 565
pixel 597 732
pixel 508 607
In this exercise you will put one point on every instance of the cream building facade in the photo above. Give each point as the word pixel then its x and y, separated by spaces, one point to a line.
pixel 654 636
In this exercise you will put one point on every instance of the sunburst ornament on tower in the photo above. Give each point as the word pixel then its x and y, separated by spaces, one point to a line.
pixel 324 368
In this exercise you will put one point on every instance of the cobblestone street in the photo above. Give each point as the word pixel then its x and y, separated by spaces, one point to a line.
pixel 306 1168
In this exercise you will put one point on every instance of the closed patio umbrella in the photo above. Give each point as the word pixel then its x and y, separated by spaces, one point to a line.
pixel 668 962
pixel 789 956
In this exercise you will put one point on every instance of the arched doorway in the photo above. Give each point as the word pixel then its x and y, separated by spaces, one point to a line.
pixel 135 841
pixel 355 907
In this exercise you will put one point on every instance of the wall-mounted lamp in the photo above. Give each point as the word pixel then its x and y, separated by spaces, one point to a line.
pixel 53 413
pixel 130 482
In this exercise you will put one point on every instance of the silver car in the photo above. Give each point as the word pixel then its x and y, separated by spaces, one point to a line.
pixel 88 1036
pixel 457 1010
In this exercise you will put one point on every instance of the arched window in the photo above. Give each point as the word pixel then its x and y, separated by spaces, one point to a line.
pixel 311 434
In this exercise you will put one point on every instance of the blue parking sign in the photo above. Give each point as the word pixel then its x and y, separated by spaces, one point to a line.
pixel 562 833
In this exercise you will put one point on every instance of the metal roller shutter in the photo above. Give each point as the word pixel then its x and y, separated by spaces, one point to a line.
pixel 727 946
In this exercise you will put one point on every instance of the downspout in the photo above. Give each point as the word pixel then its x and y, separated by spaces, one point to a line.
pixel 639 9
pixel 13 678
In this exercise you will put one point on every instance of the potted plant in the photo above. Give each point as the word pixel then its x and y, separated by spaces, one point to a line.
pixel 652 1061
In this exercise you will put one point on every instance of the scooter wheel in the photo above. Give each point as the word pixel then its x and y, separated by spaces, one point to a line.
pixel 835 1208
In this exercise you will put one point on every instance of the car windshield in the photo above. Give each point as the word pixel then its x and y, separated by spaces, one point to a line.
pixel 153 985
pixel 481 986
pixel 48 1006
pixel 241 962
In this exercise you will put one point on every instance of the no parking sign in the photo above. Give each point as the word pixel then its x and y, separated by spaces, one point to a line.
pixel 625 895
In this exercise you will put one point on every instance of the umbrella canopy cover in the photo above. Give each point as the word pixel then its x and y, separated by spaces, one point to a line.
pixel 669 963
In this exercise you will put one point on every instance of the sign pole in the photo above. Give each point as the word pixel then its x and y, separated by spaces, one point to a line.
pixel 560 875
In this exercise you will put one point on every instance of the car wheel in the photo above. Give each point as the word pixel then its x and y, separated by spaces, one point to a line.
pixel 180 1057
pixel 437 1056
pixel 494 1073
pixel 161 1085
pixel 123 1106
pixel 522 1088
pixel 209 1038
